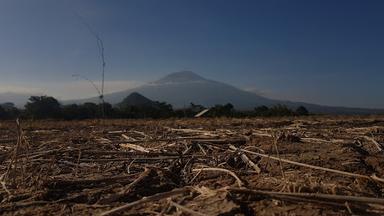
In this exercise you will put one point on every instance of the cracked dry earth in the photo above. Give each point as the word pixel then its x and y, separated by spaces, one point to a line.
pixel 318 165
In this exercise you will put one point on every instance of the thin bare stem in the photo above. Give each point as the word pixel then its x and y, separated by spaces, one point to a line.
pixel 239 182
pixel 187 210
pixel 278 156
pixel 100 46
pixel 153 198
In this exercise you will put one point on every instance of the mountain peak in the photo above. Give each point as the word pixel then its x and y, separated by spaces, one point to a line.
pixel 180 77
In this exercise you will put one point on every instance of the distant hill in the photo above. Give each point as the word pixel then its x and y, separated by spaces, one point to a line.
pixel 137 100
pixel 182 88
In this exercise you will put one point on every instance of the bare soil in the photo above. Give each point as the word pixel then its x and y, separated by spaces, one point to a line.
pixel 317 165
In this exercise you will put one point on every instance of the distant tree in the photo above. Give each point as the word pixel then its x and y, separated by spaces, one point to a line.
pixel 72 111
pixel 302 111
pixel 165 110
pixel 42 107
pixel 196 108
pixel 8 111
pixel 262 111
pixel 189 111
pixel 11 110
pixel 280 110
pixel 156 110
pixel 3 113
pixel 222 110
pixel 133 112
pixel 229 108
pixel 108 110
pixel 87 111
pixel 90 110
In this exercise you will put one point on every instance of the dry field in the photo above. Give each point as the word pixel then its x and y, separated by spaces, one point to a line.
pixel 276 166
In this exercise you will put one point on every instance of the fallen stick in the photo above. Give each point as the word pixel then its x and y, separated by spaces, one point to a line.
pixel 153 198
pixel 239 182
pixel 188 130
pixel 39 160
pixel 373 177
pixel 12 140
pixel 62 182
pixel 278 156
pixel 142 176
pixel 115 197
pixel 134 147
pixel 317 140
pixel 130 139
pixel 239 141
pixel 13 206
pixel 186 210
pixel 313 196
pixel 193 138
pixel 140 133
pixel 377 145
pixel 4 185
pixel 76 164
pixel 261 134
pixel 137 159
pixel 202 149
pixel 86 194
pixel 246 160
pixel 34 155
pixel 116 132
pixel 95 152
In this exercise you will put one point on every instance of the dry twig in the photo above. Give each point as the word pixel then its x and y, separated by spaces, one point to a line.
pixel 239 182
pixel 187 210
pixel 246 160
pixel 153 198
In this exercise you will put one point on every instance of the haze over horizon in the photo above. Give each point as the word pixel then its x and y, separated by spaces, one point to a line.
pixel 322 52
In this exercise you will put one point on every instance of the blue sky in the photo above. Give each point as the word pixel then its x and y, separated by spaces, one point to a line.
pixel 320 51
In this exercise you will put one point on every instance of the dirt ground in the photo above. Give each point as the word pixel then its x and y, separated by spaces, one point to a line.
pixel 317 165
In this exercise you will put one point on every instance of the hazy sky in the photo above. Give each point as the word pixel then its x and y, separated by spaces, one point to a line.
pixel 326 52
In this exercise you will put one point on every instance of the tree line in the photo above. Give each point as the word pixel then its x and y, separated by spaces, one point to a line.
pixel 46 107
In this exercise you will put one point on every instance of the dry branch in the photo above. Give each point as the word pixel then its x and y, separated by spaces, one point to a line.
pixel 377 145
pixel 56 183
pixel 239 182
pixel 316 167
pixel 134 147
pixel 246 160
pixel 153 198
pixel 115 197
pixel 187 210
pixel 137 159
pixel 237 141
pixel 313 196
